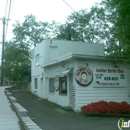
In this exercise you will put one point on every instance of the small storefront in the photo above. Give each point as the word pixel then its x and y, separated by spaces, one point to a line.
pixel 74 74
pixel 78 82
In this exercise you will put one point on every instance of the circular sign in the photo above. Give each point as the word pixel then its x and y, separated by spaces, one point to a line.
pixel 56 83
pixel 84 76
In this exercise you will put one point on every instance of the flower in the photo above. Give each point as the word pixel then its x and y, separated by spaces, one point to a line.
pixel 107 107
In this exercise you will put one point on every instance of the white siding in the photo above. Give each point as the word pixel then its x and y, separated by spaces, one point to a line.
pixel 51 72
pixel 90 93
pixel 51 50
pixel 128 83
pixel 85 96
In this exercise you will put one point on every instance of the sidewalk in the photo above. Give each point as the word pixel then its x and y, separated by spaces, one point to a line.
pixel 49 116
pixel 8 118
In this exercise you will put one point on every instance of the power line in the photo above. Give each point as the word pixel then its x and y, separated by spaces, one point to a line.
pixel 8 17
pixel 6 7
pixel 9 9
pixel 69 6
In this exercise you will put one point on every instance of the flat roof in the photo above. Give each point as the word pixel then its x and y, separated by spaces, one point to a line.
pixel 80 56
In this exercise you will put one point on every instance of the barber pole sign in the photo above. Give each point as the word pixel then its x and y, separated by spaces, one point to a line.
pixel 84 76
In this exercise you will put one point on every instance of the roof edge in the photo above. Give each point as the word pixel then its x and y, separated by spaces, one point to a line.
pixel 80 56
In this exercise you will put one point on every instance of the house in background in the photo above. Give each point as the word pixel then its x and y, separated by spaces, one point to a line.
pixel 73 74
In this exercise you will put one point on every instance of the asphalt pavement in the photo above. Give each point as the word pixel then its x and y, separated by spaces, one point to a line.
pixel 49 116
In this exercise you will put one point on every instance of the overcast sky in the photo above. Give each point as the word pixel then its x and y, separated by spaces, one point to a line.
pixel 44 10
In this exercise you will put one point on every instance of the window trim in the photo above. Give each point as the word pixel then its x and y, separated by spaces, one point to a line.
pixel 37 63
pixel 36 84
pixel 60 93
pixel 51 84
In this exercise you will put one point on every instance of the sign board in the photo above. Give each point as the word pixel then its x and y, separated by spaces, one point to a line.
pixel 56 83
pixel 114 77
pixel 84 76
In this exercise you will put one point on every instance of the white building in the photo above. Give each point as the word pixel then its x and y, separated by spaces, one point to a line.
pixel 73 74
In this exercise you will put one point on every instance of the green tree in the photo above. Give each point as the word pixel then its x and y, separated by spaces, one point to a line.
pixel 122 25
pixel 16 62
pixel 95 26
pixel 30 32
pixel 106 23
pixel 74 27
pixel 17 58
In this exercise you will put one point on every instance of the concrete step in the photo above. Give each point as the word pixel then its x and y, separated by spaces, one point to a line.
pixel 8 118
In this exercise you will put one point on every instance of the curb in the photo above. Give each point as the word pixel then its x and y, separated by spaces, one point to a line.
pixel 107 115
pixel 22 113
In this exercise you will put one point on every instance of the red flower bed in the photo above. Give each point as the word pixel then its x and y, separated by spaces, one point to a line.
pixel 107 107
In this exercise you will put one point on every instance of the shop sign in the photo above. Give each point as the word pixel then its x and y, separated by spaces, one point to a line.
pixel 110 77
pixel 83 76
pixel 56 83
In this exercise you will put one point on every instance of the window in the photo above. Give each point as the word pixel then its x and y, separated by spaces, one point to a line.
pixel 35 83
pixel 63 85
pixel 51 84
pixel 37 60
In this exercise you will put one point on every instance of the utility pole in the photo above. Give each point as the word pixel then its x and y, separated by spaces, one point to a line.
pixel 3 43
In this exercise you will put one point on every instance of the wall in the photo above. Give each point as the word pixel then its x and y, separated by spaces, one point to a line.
pixel 51 50
pixel 39 49
pixel 36 70
pixel 57 48
pixel 92 93
pixel 51 72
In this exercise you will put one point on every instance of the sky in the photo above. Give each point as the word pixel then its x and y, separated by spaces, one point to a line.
pixel 44 10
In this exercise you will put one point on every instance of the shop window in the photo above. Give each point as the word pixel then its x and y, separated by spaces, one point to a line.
pixel 63 85
pixel 35 83
pixel 51 84
pixel 37 60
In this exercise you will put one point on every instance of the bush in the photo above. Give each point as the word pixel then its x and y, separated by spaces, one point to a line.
pixel 107 107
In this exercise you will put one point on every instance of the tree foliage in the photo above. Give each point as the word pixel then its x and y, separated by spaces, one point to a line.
pixel 16 61
pixel 106 23
pixel 95 26
pixel 31 32
pixel 122 25
pixel 17 57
